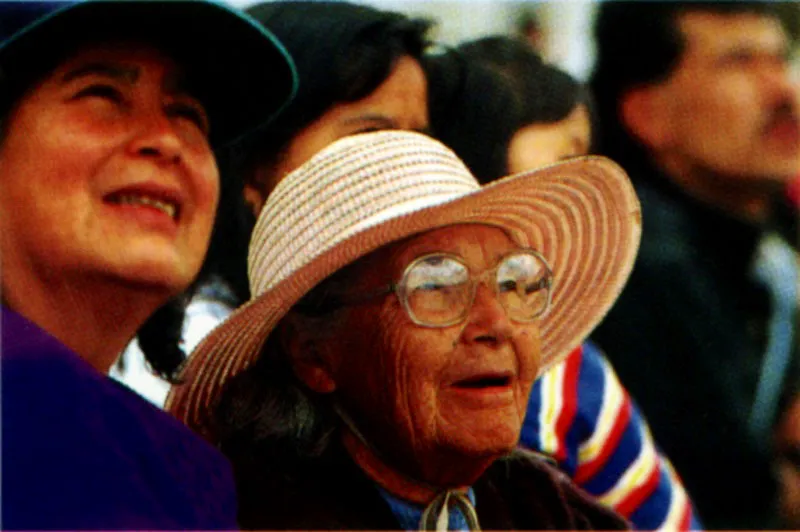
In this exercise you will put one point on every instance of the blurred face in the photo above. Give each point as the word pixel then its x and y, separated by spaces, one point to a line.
pixel 729 108
pixel 426 395
pixel 400 102
pixel 540 144
pixel 106 173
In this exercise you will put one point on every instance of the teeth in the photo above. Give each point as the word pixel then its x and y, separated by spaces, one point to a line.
pixel 167 208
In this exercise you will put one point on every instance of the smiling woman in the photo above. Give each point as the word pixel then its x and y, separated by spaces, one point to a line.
pixel 109 117
pixel 110 188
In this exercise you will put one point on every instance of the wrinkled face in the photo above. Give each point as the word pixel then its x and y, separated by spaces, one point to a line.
pixel 107 172
pixel 421 393
pixel 540 144
pixel 730 107
pixel 400 102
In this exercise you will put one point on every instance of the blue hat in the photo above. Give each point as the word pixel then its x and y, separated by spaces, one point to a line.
pixel 238 69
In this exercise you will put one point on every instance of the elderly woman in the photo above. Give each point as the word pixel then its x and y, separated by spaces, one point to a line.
pixel 110 115
pixel 401 313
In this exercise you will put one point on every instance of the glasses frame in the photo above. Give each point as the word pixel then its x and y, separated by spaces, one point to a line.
pixel 399 288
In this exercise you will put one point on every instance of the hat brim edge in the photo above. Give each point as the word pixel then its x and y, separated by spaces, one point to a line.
pixel 508 203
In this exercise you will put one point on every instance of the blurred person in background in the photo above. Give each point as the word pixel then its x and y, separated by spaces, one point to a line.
pixel 110 190
pixel 528 27
pixel 364 75
pixel 695 102
pixel 502 109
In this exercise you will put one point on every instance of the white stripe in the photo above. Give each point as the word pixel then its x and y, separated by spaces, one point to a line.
pixel 552 403
pixel 678 502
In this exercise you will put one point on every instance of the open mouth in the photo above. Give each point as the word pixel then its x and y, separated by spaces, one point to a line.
pixel 166 205
pixel 484 381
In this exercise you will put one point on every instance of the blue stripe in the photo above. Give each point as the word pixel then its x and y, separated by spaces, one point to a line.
pixel 623 455
pixel 654 509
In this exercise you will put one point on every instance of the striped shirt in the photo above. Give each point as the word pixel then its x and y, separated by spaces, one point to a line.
pixel 580 415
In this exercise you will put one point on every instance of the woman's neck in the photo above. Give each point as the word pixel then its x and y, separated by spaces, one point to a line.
pixel 397 483
pixel 94 319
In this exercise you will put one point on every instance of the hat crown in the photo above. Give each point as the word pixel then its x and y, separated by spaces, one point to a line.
pixel 354 184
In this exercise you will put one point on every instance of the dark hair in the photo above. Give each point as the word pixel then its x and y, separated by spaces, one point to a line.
pixel 484 91
pixel 546 93
pixel 640 43
pixel 14 16
pixel 267 421
pixel 342 52
pixel 472 111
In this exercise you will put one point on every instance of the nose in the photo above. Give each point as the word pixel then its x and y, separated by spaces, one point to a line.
pixel 157 138
pixel 487 323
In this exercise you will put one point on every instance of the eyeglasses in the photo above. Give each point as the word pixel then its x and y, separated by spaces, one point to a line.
pixel 438 290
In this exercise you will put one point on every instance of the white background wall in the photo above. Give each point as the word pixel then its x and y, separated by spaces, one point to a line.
pixel 567 40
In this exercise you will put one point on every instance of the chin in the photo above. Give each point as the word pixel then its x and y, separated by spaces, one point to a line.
pixel 488 444
pixel 168 278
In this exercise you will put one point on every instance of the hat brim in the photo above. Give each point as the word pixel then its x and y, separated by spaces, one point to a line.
pixel 242 72
pixel 583 216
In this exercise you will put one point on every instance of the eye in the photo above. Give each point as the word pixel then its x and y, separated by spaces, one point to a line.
pixel 107 92
pixel 538 285
pixel 431 286
pixel 507 285
pixel 193 112
pixel 369 129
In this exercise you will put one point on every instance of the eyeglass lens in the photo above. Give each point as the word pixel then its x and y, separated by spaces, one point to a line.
pixel 439 290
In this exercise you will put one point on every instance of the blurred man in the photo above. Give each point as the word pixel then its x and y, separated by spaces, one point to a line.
pixel 702 114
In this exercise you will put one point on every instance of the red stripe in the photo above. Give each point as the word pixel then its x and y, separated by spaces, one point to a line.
pixel 634 499
pixel 686 520
pixel 586 471
pixel 569 401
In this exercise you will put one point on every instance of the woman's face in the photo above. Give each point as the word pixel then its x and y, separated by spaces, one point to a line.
pixel 107 174
pixel 426 395
pixel 400 102
pixel 540 144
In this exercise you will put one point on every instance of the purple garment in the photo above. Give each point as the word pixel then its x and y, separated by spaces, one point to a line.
pixel 81 451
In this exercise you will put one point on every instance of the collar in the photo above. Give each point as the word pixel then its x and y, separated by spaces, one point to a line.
pixel 448 510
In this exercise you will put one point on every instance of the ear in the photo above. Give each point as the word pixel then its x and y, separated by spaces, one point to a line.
pixel 645 114
pixel 254 198
pixel 310 365
pixel 259 182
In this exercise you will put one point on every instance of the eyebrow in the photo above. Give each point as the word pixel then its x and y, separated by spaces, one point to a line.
pixel 176 83
pixel 384 122
pixel 110 70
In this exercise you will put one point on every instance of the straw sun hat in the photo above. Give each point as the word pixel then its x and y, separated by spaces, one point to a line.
pixel 368 190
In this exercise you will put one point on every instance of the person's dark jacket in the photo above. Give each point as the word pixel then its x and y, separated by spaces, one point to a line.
pixel 331 492
pixel 687 338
